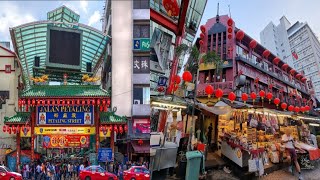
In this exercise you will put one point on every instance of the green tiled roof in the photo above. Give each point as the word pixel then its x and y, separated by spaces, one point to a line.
pixel 65 91
pixel 111 118
pixel 20 117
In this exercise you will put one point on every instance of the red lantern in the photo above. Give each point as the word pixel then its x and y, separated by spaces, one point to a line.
pixel 93 102
pixel 101 108
pixel 296 109
pixel 63 102
pixel 276 60
pixel 253 96
pixel 292 71
pixel 18 129
pixel 253 44
pixel 33 102
pixel 262 94
pixel 219 93
pixel 284 106
pixel 203 28
pixel 209 90
pixel 83 102
pixel 266 53
pixel 160 89
pixel 244 97
pixel 307 108
pixel 120 129
pixel 291 108
pixel 140 142
pixel 28 102
pixel 103 102
pixel 187 76
pixel 201 35
pixel 230 22
pixel 14 129
pixel 19 102
pixel 68 102
pixel 78 101
pixel 298 76
pixel 9 129
pixel 172 7
pixel 285 66
pixel 98 102
pixel 177 79
pixel 201 42
pixel 240 35
pixel 125 128
pixel 232 96
pixel 276 101
pixel 303 79
pixel 269 96
pixel 303 109
pixel 115 128
pixel 4 128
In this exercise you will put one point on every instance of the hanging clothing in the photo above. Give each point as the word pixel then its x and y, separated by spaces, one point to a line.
pixel 179 117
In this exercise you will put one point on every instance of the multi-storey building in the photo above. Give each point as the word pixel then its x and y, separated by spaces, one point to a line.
pixel 297 45
pixel 129 77
pixel 249 67
pixel 164 39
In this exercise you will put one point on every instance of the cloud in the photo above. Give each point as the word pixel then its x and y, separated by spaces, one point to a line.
pixel 84 5
pixel 94 18
pixel 11 16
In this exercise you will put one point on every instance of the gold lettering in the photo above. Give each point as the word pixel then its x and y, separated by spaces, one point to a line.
pixel 65 115
pixel 56 108
pixel 74 115
pixel 56 115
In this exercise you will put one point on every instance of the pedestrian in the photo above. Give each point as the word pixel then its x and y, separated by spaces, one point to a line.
pixel 58 173
pixel 24 171
pixel 75 174
pixel 120 172
pixel 209 135
pixel 38 171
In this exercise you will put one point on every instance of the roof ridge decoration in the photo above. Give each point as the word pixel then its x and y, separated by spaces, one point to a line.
pixel 19 117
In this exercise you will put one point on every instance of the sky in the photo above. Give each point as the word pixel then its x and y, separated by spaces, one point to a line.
pixel 14 13
pixel 253 15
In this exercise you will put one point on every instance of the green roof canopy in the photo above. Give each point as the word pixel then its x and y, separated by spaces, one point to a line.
pixel 111 118
pixel 30 40
pixel 65 91
pixel 20 117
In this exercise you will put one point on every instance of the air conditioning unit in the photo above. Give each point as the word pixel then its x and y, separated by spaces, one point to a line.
pixel 136 101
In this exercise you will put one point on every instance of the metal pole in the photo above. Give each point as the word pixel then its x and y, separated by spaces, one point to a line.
pixel 193 109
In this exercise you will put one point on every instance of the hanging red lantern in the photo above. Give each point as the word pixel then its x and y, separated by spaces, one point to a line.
pixel 232 96
pixel 262 94
pixel 253 44
pixel 203 28
pixel 219 93
pixel 230 22
pixel 187 76
pixel 160 89
pixel 253 96
pixel 140 142
pixel 292 71
pixel 19 102
pixel 201 42
pixel 33 102
pixel 68 102
pixel 276 101
pixel 172 7
pixel 202 35
pixel 9 129
pixel 269 96
pixel 209 90
pixel 83 102
pixel 256 80
pixel 63 102
pixel 276 60
pixel 298 76
pixel 103 102
pixel 53 102
pixel 296 109
pixel 125 128
pixel 291 108
pixel 58 102
pixel 101 108
pixel 266 53
pixel 177 79
pixel 120 129
pixel 29 102
pixel 93 102
pixel 244 97
pixel 285 66
pixel 307 108
pixel 303 109
pixel 240 35
pixel 284 106
pixel 108 101
pixel 304 79
pixel 115 128
pixel 18 129
pixel 78 101
pixel 4 128
pixel 72 102
pixel 14 129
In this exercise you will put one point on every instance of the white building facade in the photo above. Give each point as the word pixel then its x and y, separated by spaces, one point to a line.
pixel 286 39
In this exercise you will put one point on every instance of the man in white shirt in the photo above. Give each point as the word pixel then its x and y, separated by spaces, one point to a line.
pixel 288 141
pixel 81 167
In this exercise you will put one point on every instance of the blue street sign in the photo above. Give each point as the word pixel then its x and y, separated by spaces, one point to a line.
pixel 105 155
pixel 162 81
pixel 136 44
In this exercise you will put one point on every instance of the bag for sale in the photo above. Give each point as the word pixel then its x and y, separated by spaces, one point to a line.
pixel 274 157
pixel 253 166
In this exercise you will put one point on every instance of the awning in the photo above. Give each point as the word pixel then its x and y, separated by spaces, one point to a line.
pixel 143 148
pixel 219 108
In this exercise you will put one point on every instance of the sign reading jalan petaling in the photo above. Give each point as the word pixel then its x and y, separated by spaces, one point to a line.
pixel 65 115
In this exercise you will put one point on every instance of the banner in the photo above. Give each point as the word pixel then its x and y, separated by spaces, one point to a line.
pixel 65 115
pixel 64 130
pixel 143 128
pixel 62 141
pixel 24 132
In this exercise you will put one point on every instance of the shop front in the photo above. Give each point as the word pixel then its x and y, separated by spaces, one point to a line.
pixel 59 122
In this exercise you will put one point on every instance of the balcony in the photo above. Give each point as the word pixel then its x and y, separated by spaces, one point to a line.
pixel 226 87
pixel 272 74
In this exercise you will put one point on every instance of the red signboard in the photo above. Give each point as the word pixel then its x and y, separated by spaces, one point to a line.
pixel 143 128
pixel 63 141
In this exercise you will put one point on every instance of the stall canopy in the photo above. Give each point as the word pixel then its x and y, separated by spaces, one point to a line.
pixel 143 148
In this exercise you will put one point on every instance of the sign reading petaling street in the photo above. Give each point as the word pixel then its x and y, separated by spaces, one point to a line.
pixel 65 115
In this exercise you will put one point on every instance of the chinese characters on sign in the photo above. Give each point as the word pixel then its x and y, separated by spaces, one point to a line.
pixel 61 141
pixel 66 115
pixel 141 64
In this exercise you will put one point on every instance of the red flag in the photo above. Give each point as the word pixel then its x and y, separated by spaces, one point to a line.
pixel 295 55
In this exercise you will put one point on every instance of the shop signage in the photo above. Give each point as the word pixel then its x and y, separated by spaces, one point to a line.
pixel 162 81
pixel 24 132
pixel 65 115
pixel 141 64
pixel 104 133
pixel 143 128
pixel 5 146
pixel 64 130
pixel 62 141
pixel 142 44
pixel 105 155
pixel 253 73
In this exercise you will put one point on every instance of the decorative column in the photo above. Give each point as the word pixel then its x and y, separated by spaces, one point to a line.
pixel 112 142
pixel 97 122
pixel 32 122
pixel 18 150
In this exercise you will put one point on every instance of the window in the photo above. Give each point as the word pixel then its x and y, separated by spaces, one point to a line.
pixel 141 31
pixel 8 69
pixel 141 95
pixel 137 170
pixel 141 4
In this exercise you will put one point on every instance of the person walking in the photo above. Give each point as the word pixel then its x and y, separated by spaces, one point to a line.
pixel 209 135
pixel 38 171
